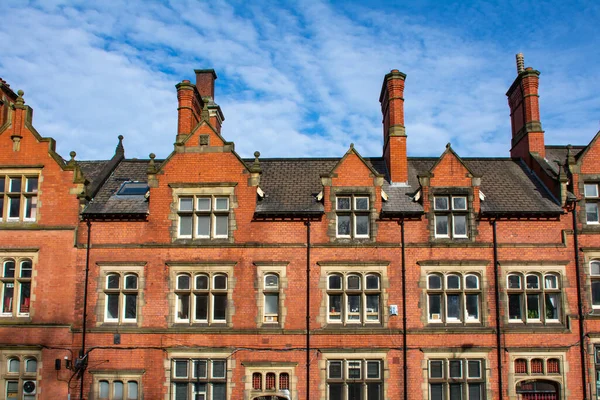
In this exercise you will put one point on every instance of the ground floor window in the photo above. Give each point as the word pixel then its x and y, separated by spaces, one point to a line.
pixel 354 379
pixel 456 379
pixel 199 379
pixel 538 390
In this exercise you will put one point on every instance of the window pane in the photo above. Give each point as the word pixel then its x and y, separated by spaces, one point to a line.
pixel 373 307
pixel 441 203
pixel 2 184
pixel 552 306
pixel 533 306
pixel 221 225
pixel 130 306
pixel 284 381
pixel 455 391
pixel 181 391
pixel 590 190
pixel 220 282
pixel 355 391
pixel 436 369
pixel 591 212
pixel 596 292
pixel 270 381
pixel 374 391
pixel 435 311
pixel 362 225
pixel 372 282
pixel 372 369
pixel 271 281
pixel 353 308
pixel 441 225
pixel 112 306
pixel 186 204
pixel 514 282
pixel 222 204
pixel 201 282
pixel 472 307
pixel 455 369
pixel 437 391
pixel 203 225
pixel 471 282
pixel 117 390
pixel 14 365
pixel 459 203
pixel 533 282
pixel 181 368
pixel 354 369
pixel 343 225
pixel 514 306
pixel 103 389
pixel 434 282
pixel 112 281
pixel 30 207
pixel 130 282
pixel 1 206
pixel 25 298
pixel 335 282
pixel 272 303
pixel 218 370
pixel 183 306
pixel 343 203
pixel 595 267
pixel 14 207
pixel 453 305
pixel 185 225
pixel 551 282
pixel 335 370
pixel 361 203
pixel 335 307
pixel 7 298
pixel 336 391
pixel 475 391
pixel 474 369
pixel 15 185
pixel 201 307
pixel 203 203
pixel 199 368
pixel 220 306
pixel 31 366
pixel 353 282
pixel 219 391
pixel 453 282
pixel 132 390
pixel 460 225
pixel 183 282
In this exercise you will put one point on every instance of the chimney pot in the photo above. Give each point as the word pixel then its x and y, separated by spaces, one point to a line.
pixel 520 63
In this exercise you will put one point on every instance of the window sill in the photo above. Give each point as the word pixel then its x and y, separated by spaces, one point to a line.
pixel 457 328
pixel 9 319
pixel 557 327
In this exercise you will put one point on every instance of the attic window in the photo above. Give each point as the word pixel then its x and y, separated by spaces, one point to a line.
pixel 133 189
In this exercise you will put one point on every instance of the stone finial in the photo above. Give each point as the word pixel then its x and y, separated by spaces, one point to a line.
pixel 570 156
pixel 20 103
pixel 520 63
pixel 256 165
pixel 120 150
pixel 448 145
pixel 151 164
pixel 205 114
pixel 72 160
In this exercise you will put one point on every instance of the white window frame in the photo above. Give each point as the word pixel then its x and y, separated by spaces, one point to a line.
pixel 594 279
pixel 590 192
pixel 450 213
pixel 346 315
pixel 6 195
pixel 122 271
pixel 353 213
pixel 463 292
pixel 21 375
pixel 122 292
pixel 364 380
pixel 17 283
pixel 209 380
pixel 541 291
pixel 197 212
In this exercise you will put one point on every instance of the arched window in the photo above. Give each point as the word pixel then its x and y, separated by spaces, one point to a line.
pixel 453 298
pixel 520 366
pixel 257 381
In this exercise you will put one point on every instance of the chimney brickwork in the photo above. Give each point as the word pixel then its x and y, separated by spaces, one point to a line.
pixel 394 132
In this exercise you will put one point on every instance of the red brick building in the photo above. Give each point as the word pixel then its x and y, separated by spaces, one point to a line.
pixel 209 276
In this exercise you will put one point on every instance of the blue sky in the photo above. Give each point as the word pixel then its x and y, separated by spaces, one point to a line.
pixel 300 78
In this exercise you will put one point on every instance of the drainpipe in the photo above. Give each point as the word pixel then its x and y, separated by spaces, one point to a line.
pixel 497 298
pixel 307 223
pixel 82 360
pixel 579 305
pixel 404 346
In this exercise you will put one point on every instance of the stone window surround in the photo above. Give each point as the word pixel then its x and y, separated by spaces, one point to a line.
pixel 583 180
pixel 589 255
pixel 280 269
pixel 22 353
pixel 118 375
pixel 122 268
pixel 544 354
pixel 464 355
pixel 470 213
pixel 366 191
pixel 264 367
pixel 25 171
pixel 230 365
pixel 222 189
pixel 193 268
pixel 363 268
pixel 445 267
pixel 542 267
pixel 17 254
pixel 357 354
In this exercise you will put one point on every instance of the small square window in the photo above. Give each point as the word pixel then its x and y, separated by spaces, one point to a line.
pixel 373 369
pixel 441 203
pixel 436 369
pixel 590 190
pixel 361 203
pixel 459 203
pixel 335 369
pixel 343 203
pixel 218 369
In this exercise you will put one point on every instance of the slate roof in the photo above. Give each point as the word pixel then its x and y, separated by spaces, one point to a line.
pixel 291 187
pixel 107 203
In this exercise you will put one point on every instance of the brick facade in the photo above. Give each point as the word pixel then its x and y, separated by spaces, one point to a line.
pixel 204 278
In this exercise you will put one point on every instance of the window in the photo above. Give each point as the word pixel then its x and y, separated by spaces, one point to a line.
pixel 456 379
pixel 591 203
pixel 355 379
pixel 121 291
pixel 537 366
pixel 16 286
pixel 450 216
pixel 453 298
pixel 18 197
pixel 595 281
pixel 201 297
pixel 271 299
pixel 199 379
pixel 19 374
pixel 270 381
pixel 597 368
pixel 353 298
pixel 534 297
pixel 118 389
pixel 203 217
pixel 352 216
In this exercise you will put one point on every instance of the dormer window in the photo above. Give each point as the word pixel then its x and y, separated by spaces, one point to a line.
pixel 591 203
pixel 352 214
pixel 450 216
pixel 18 197
pixel 203 217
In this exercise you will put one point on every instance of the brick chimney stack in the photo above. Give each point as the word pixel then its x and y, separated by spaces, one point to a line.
pixel 523 100
pixel 205 84
pixel 394 133
pixel 189 109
